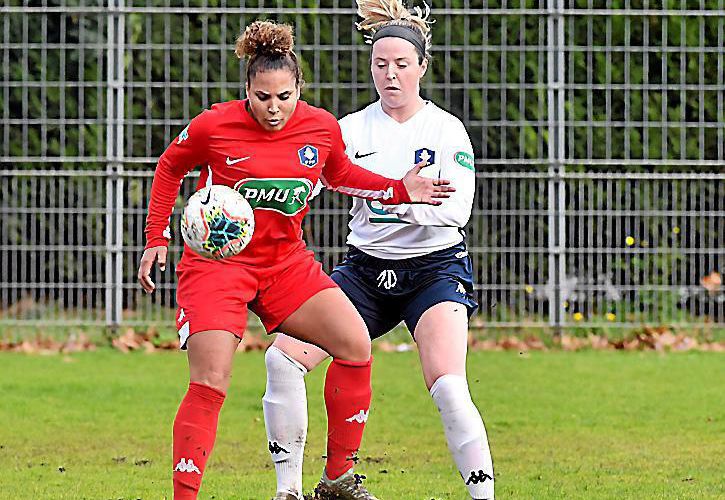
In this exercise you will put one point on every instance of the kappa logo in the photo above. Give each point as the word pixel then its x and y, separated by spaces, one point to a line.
pixel 387 279
pixel 425 155
pixel 184 135
pixel 286 196
pixel 186 466
pixel 275 448
pixel 478 477
pixel 360 417
pixel 308 155
pixel 461 289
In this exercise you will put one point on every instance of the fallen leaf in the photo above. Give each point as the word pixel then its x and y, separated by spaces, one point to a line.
pixel 712 282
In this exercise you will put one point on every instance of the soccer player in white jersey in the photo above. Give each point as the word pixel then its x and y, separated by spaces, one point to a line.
pixel 405 263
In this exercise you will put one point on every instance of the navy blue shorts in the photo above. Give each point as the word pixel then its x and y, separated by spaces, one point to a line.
pixel 386 292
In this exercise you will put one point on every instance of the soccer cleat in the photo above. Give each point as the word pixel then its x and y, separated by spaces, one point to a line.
pixel 346 487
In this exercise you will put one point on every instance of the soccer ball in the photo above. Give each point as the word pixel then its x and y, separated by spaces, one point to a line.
pixel 217 222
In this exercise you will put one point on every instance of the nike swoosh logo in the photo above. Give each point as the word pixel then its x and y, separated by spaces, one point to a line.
pixel 208 197
pixel 232 162
pixel 358 155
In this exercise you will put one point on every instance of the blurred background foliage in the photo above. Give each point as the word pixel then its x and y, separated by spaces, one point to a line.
pixel 644 92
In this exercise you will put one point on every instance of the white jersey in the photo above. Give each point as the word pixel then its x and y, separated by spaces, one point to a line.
pixel 380 144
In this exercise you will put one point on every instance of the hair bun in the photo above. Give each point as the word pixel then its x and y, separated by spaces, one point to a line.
pixel 265 38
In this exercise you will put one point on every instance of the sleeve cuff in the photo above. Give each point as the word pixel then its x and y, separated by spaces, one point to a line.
pixel 404 196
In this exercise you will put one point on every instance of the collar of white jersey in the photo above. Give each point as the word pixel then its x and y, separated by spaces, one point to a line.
pixel 419 115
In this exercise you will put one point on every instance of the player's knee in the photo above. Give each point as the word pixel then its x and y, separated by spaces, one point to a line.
pixel 214 377
pixel 281 365
pixel 273 358
pixel 356 347
pixel 450 392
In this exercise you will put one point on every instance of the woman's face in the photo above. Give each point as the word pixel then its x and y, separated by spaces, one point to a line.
pixel 396 72
pixel 273 96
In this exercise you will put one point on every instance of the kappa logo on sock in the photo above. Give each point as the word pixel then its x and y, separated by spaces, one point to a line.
pixel 478 477
pixel 186 466
pixel 360 417
pixel 275 448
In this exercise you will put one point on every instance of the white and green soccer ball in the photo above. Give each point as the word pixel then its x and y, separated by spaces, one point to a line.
pixel 217 222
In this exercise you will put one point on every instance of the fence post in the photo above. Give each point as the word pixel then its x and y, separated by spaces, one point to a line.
pixel 556 185
pixel 114 163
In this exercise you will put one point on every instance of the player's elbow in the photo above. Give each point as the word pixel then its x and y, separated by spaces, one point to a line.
pixel 457 218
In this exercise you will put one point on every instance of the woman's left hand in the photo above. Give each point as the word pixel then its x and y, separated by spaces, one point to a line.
pixel 425 190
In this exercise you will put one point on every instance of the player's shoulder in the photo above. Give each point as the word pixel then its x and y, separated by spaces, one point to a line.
pixel 357 118
pixel 446 119
pixel 218 113
pixel 224 108
pixel 317 115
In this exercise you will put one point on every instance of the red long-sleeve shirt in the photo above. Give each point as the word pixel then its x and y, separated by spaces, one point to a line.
pixel 275 171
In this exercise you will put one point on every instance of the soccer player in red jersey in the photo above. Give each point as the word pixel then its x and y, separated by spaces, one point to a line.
pixel 273 148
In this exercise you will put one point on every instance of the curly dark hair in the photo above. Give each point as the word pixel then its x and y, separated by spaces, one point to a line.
pixel 268 46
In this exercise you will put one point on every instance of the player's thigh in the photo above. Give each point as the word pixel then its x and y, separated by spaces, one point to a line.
pixel 211 354
pixel 212 295
pixel 442 338
pixel 309 355
pixel 330 321
pixel 379 311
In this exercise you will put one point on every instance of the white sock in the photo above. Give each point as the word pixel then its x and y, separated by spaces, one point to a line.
pixel 465 434
pixel 285 416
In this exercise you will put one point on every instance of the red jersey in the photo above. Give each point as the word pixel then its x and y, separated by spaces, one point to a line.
pixel 275 171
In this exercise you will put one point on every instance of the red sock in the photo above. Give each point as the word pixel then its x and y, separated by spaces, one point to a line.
pixel 194 435
pixel 347 398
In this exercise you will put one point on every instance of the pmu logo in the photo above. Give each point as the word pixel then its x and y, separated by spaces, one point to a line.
pixel 286 196
pixel 387 279
pixel 465 160
pixel 308 155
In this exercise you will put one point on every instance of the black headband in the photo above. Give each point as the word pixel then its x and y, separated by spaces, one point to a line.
pixel 404 32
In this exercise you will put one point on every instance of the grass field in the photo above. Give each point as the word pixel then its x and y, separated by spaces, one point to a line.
pixel 585 425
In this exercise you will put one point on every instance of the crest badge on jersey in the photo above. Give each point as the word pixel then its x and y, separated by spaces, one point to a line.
pixel 308 155
pixel 425 155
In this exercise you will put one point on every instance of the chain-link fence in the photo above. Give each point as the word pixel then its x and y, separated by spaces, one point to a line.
pixel 598 128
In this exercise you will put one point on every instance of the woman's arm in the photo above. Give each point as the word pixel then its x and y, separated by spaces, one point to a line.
pixel 183 154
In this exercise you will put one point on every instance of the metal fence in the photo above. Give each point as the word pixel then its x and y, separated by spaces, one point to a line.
pixel 598 127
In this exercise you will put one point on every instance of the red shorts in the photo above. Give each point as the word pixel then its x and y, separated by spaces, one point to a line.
pixel 214 295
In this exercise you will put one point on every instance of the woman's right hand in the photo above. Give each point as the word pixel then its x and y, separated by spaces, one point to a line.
pixel 147 261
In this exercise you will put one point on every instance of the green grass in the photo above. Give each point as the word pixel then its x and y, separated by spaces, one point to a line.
pixel 584 425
